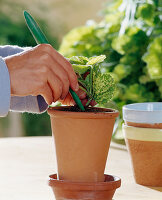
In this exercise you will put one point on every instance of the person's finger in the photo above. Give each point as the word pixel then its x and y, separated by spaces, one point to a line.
pixel 69 101
pixel 56 85
pixel 65 64
pixel 81 94
pixel 47 94
pixel 60 73
pixel 65 101
pixel 72 102
pixel 71 74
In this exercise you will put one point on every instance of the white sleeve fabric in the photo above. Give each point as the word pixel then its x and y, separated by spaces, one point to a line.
pixel 31 104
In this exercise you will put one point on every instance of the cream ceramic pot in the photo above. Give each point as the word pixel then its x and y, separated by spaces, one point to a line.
pixel 143 135
pixel 148 115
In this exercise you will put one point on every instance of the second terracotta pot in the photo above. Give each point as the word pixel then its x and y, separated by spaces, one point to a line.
pixel 143 135
pixel 82 142
pixel 145 148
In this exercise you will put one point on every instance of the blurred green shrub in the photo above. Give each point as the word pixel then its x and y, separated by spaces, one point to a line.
pixel 36 125
pixel 17 33
pixel 130 35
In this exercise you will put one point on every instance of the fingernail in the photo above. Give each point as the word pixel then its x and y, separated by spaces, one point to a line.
pixel 72 103
pixel 77 87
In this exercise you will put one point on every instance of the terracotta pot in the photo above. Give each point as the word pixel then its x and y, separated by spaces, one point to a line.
pixel 143 135
pixel 145 148
pixel 82 142
pixel 66 190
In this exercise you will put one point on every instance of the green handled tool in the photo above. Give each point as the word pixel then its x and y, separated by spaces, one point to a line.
pixel 41 39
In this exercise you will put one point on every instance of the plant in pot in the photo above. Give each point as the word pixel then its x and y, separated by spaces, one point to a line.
pixel 82 138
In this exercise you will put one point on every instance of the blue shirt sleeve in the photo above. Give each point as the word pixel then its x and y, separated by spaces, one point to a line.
pixel 32 104
pixel 4 89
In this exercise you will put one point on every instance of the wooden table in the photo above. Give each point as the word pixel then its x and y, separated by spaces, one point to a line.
pixel 25 164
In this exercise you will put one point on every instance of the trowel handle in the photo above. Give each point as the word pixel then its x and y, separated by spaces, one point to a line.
pixel 35 29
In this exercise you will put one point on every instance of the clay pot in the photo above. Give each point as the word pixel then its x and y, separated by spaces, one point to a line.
pixel 143 135
pixel 82 142
pixel 84 191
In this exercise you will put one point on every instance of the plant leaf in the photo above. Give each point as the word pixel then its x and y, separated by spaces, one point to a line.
pixel 96 60
pixel 104 87
pixel 80 69
pixel 82 60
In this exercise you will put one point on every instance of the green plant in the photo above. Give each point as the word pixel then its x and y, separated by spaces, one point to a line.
pixel 130 37
pixel 97 85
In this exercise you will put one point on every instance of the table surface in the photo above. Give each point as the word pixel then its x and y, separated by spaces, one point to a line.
pixel 26 162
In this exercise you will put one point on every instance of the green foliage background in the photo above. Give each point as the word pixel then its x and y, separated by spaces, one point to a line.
pixel 130 35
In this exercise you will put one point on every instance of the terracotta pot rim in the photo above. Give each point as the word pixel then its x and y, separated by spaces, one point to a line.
pixel 112 183
pixel 109 113
pixel 144 125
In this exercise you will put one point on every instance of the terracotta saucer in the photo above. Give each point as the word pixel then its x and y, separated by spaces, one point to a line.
pixel 67 190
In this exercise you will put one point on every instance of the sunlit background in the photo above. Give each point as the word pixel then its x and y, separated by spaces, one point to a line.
pixel 128 32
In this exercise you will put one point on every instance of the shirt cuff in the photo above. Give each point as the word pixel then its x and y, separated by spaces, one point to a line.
pixel 5 90
pixel 31 104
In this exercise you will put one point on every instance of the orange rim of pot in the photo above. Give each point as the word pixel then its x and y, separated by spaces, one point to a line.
pixel 111 183
pixel 100 113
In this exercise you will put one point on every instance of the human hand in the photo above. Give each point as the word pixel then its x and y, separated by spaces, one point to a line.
pixel 41 71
